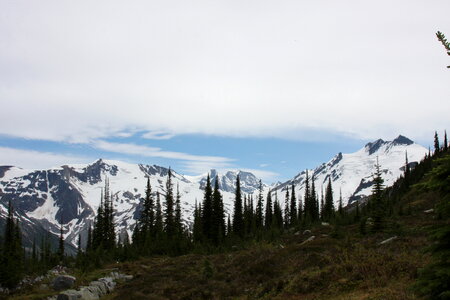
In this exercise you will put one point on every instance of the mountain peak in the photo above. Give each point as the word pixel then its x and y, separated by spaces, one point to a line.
pixel 402 140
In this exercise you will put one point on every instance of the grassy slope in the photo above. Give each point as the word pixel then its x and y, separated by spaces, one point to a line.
pixel 349 267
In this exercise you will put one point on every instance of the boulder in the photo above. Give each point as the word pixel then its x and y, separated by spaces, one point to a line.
pixel 69 295
pixel 86 294
pixel 307 231
pixel 63 282
pixel 101 285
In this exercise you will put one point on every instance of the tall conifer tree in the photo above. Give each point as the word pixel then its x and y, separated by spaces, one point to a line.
pixel 238 220
pixel 269 212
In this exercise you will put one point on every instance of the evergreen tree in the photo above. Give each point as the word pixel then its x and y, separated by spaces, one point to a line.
pixel 443 40
pixel 322 204
pixel 197 227
pixel 307 197
pixel 277 214
pixel 445 141
pixel 436 143
pixel 314 201
pixel 286 209
pixel 259 208
pixel 147 218
pixel 218 214
pixel 207 213
pixel 158 217
pixel 300 209
pixel 293 207
pixel 377 199
pixel 269 212
pixel 238 220
pixel 178 224
pixel 340 208
pixel 328 209
pixel 169 218
pixel 407 168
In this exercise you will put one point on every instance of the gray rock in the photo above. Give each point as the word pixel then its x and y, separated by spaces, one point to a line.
pixel 307 231
pixel 325 224
pixel 128 277
pixel 311 238
pixel 69 295
pixel 101 285
pixel 63 282
pixel 429 211
pixel 86 294
pixel 388 240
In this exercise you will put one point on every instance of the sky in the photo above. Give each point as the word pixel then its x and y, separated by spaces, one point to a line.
pixel 273 87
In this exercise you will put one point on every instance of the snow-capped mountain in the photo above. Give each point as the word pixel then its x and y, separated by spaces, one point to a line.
pixel 71 193
pixel 352 174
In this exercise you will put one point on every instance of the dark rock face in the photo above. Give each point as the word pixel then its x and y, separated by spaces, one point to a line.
pixel 402 140
pixel 374 146
pixel 3 170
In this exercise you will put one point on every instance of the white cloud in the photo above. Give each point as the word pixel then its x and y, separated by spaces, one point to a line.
pixel 157 135
pixel 82 70
pixel 29 159
pixel 133 149
pixel 263 165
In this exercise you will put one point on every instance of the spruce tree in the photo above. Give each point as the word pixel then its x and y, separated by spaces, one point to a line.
pixel 178 224
pixel 287 214
pixel 314 201
pixel 207 213
pixel 259 208
pixel 147 219
pixel 328 209
pixel 445 141
pixel 443 40
pixel 436 143
pixel 158 217
pixel 197 227
pixel 277 214
pixel 293 207
pixel 307 198
pixel 169 218
pixel 218 214
pixel 300 209
pixel 269 212
pixel 377 199
pixel 238 220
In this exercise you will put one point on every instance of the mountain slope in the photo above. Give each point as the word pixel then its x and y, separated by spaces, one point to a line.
pixel 352 173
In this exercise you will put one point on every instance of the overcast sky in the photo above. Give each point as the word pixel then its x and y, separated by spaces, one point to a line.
pixel 93 72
